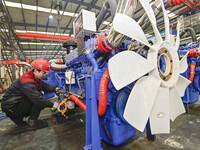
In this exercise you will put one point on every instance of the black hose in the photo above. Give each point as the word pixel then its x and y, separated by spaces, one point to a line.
pixel 106 129
pixel 108 4
pixel 102 14
pixel 192 33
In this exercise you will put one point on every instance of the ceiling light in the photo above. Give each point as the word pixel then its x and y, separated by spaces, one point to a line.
pixel 49 44
pixel 38 51
pixel 50 16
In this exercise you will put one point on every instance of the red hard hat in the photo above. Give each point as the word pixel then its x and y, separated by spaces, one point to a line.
pixel 41 64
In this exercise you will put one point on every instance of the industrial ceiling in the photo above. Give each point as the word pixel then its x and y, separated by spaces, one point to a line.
pixel 37 29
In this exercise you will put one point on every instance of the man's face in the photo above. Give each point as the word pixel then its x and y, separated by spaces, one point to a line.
pixel 39 74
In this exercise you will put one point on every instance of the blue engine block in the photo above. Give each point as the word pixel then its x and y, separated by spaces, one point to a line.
pixel 89 68
pixel 119 130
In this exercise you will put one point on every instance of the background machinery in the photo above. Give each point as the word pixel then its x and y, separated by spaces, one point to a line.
pixel 190 28
pixel 192 73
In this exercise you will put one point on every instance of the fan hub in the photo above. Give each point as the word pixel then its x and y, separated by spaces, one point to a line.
pixel 164 64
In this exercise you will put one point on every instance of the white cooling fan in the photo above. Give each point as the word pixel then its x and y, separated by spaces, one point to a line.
pixel 156 95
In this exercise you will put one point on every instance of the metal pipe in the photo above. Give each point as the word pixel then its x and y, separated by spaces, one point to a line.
pixel 78 81
pixel 110 40
pixel 113 7
pixel 112 4
pixel 57 61
pixel 91 58
pixel 102 14
pixel 192 33
pixel 128 8
pixel 57 65
pixel 23 63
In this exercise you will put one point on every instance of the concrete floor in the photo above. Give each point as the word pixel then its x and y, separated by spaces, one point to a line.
pixel 69 134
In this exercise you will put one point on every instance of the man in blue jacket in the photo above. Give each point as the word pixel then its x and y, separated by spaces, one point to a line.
pixel 24 98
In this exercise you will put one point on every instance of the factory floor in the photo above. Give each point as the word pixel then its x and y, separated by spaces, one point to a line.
pixel 69 134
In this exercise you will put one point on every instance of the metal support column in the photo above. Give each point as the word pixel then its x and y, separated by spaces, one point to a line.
pixel 93 139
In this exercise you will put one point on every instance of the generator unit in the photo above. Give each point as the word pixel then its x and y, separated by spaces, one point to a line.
pixel 120 84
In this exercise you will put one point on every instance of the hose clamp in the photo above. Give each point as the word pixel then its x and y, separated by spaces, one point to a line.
pixel 106 77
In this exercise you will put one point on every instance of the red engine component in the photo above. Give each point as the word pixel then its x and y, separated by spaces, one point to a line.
pixel 191 4
pixel 103 89
pixel 79 102
pixel 192 72
pixel 59 61
pixel 193 52
pixel 175 2
pixel 102 45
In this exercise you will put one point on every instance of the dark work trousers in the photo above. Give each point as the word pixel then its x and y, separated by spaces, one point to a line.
pixel 23 109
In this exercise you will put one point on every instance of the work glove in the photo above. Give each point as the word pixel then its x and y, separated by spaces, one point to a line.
pixel 57 89
pixel 55 106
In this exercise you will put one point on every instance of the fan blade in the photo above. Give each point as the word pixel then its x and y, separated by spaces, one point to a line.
pixel 182 84
pixel 183 63
pixel 149 11
pixel 166 20
pixel 140 101
pixel 147 7
pixel 129 27
pixel 159 118
pixel 126 67
pixel 177 36
pixel 175 104
pixel 172 39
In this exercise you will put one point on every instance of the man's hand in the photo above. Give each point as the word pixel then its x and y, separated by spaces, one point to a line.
pixel 55 106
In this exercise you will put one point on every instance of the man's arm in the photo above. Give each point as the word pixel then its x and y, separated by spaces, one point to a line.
pixel 29 89
pixel 48 88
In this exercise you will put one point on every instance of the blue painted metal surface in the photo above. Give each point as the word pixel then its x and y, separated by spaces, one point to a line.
pixel 55 78
pixel 192 91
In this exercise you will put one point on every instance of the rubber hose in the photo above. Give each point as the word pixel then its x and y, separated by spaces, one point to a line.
pixel 103 89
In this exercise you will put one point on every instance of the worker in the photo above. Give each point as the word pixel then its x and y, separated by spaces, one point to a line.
pixel 24 98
